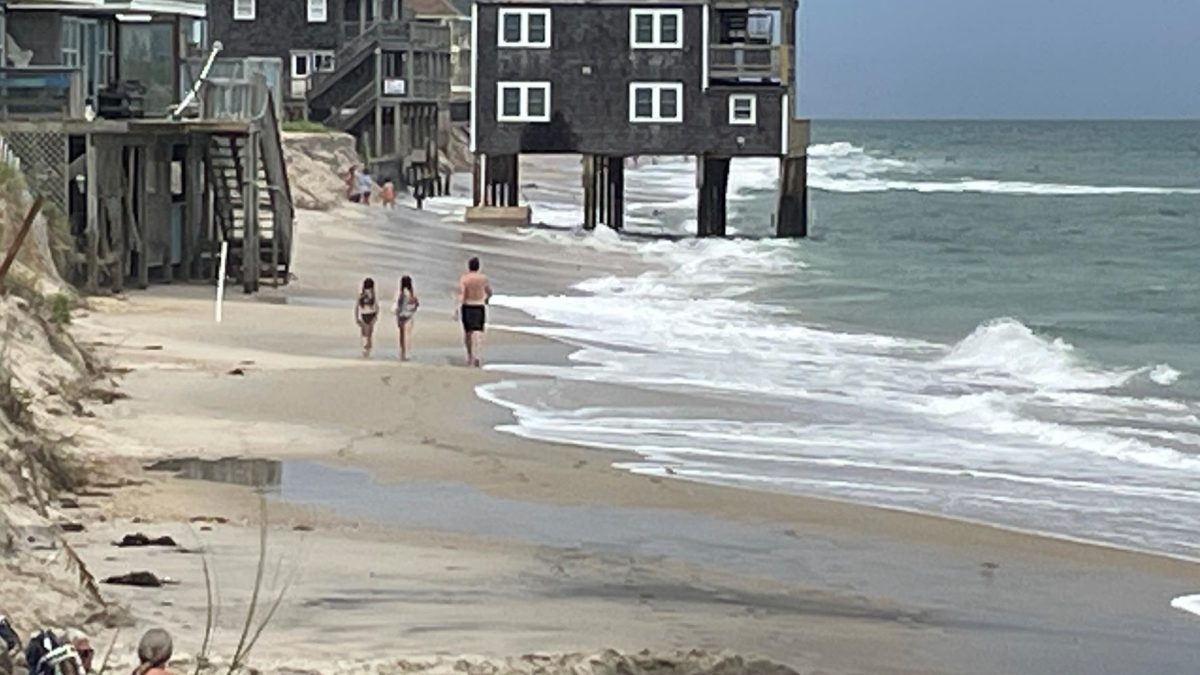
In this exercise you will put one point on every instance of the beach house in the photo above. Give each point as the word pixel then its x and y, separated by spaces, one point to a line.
pixel 616 79
pixel 367 67
pixel 111 44
pixel 143 178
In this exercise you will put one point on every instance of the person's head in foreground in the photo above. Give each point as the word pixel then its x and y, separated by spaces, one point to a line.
pixel 154 652
pixel 473 264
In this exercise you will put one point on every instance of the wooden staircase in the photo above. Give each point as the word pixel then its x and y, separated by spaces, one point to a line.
pixel 252 205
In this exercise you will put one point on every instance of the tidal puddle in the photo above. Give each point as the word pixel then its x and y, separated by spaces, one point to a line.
pixel 464 509
pixel 256 473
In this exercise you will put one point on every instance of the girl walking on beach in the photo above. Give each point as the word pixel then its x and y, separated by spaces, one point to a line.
pixel 406 307
pixel 366 310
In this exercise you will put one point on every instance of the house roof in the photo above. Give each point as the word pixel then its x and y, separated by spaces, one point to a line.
pixel 432 8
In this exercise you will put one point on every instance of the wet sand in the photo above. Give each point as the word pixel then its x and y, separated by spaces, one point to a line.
pixel 433 533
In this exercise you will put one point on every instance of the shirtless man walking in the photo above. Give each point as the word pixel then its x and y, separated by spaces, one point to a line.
pixel 474 292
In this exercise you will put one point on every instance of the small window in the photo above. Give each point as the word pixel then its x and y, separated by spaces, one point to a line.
pixel 656 28
pixel 743 109
pixel 524 28
pixel 523 102
pixel 243 10
pixel 318 11
pixel 656 102
pixel 300 64
pixel 323 62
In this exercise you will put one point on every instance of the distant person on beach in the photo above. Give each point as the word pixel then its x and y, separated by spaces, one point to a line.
pixel 364 187
pixel 474 292
pixel 366 310
pixel 419 194
pixel 406 308
pixel 387 194
pixel 352 184
pixel 154 653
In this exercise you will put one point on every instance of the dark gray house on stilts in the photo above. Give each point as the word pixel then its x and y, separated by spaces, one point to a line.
pixel 610 79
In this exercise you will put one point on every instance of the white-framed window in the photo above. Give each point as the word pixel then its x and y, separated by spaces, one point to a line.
pixel 318 11
pixel 743 109
pixel 524 28
pixel 304 64
pixel 244 10
pixel 523 102
pixel 656 28
pixel 71 42
pixel 656 102
pixel 104 49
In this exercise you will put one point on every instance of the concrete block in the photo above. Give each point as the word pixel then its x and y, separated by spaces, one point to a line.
pixel 499 215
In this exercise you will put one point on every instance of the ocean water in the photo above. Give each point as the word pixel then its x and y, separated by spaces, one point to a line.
pixel 997 321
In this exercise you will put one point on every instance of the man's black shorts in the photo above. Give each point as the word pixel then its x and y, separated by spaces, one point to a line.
pixel 473 317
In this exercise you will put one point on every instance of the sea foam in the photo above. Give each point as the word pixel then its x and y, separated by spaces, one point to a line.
pixel 1187 603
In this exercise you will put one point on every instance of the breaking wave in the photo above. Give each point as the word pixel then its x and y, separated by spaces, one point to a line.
pixel 844 167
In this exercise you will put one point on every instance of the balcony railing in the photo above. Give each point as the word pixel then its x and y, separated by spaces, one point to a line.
pixel 418 34
pixel 749 62
pixel 41 92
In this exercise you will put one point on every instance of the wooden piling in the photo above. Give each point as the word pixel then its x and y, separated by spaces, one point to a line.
pixel 615 189
pixel 602 192
pixel 194 209
pixel 589 192
pixel 143 221
pixel 792 219
pixel 792 213
pixel 514 181
pixel 476 182
pixel 713 181
pixel 92 283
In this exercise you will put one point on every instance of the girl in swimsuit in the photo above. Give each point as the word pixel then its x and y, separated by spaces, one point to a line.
pixel 366 310
pixel 406 307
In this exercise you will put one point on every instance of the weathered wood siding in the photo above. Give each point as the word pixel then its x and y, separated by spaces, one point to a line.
pixel 279 27
pixel 590 111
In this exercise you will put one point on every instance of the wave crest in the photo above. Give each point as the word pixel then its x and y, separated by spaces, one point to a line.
pixel 845 167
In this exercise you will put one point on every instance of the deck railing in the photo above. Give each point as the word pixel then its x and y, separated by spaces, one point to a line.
pixel 753 62
pixel 41 92
pixel 233 70
pixel 419 34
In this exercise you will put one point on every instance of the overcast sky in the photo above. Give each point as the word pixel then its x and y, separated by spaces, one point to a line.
pixel 1000 58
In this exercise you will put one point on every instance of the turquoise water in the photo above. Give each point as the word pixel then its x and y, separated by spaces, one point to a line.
pixel 992 320
pixel 1070 256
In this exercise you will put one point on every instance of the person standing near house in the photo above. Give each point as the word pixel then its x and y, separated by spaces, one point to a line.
pixel 387 194
pixel 352 184
pixel 419 195
pixel 474 293
pixel 364 187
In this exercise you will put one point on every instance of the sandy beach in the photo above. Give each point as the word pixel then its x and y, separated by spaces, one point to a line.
pixel 403 525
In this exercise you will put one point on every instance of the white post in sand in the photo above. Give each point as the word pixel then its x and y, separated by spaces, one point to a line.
pixel 221 278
